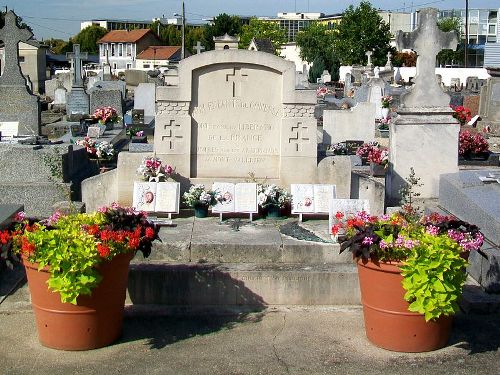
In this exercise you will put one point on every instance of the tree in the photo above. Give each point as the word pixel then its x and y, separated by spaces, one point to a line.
pixel 316 47
pixel 58 46
pixel 194 35
pixel 20 22
pixel 222 24
pixel 88 37
pixel 262 29
pixel 360 30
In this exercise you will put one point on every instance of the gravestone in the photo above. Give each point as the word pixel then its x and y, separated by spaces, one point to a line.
pixel 455 84
pixel 425 135
pixel 348 84
pixel 145 98
pixel 78 99
pixel 108 86
pixel 254 122
pixel 17 103
pixel 52 84
pixel 60 96
pixel 472 84
pixel 326 77
pixel 369 57
pixel 134 77
pixel 104 98
pixel 489 107
pixel 377 88
pixel 199 48
pixel 356 123
pixel 472 102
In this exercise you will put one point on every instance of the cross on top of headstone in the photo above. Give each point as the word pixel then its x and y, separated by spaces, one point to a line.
pixel 388 63
pixel 427 40
pixel 369 55
pixel 199 48
pixel 77 57
pixel 12 34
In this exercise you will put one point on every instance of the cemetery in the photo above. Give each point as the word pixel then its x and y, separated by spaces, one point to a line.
pixel 250 193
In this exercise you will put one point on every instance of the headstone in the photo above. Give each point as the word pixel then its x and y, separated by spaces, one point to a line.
pixel 78 99
pixel 375 94
pixel 398 78
pixel 106 74
pixel 326 77
pixel 145 98
pixel 109 85
pixel 489 107
pixel 104 98
pixel 138 117
pixel 254 122
pixel 356 123
pixel 60 95
pixel 439 78
pixel 348 84
pixel 388 64
pixel 425 135
pixel 18 104
pixel 455 84
pixel 472 84
pixel 369 56
pixel 134 77
pixel 472 102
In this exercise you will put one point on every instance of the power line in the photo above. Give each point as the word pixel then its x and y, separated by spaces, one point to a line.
pixel 418 5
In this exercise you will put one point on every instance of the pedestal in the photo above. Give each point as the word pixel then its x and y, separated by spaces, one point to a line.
pixel 427 140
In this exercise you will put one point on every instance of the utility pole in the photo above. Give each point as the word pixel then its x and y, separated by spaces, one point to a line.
pixel 466 32
pixel 183 30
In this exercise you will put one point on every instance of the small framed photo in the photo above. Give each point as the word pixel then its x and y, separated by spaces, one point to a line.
pixel 93 132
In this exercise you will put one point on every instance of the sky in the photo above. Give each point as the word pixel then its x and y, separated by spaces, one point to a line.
pixel 61 18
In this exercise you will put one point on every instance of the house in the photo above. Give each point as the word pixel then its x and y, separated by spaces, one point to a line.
pixel 262 45
pixel 33 61
pixel 123 46
pixel 157 56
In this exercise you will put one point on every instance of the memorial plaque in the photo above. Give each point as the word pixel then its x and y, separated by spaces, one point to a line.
pixel 168 197
pixel 246 198
pixel 226 191
pixel 138 117
pixel 347 207
pixel 302 198
pixel 93 132
pixel 144 198
pixel 323 196
pixel 9 129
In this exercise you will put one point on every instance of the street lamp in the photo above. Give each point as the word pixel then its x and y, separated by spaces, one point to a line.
pixel 183 15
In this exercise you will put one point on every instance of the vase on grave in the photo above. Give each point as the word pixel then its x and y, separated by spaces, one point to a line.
pixel 385 112
pixel 201 212
pixel 377 170
pixel 273 211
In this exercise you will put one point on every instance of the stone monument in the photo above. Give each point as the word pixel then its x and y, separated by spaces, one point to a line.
pixel 78 100
pixel 17 103
pixel 489 106
pixel 424 135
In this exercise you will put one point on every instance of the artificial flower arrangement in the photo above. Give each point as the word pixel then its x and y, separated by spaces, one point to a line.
pixel 471 143
pixel 73 246
pixel 339 148
pixel 134 132
pixel 384 123
pixel 97 150
pixel 462 114
pixel 273 196
pixel 321 91
pixel 106 115
pixel 386 101
pixel 198 196
pixel 379 155
pixel 152 170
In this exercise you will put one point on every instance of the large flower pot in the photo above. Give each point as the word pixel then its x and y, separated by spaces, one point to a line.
pixel 201 212
pixel 385 112
pixel 388 323
pixel 95 321
pixel 273 212
pixel 377 170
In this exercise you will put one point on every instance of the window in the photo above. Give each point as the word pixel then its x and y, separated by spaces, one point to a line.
pixel 473 28
pixel 129 49
pixel 146 66
pixel 492 29
pixel 120 50
pixel 129 66
pixel 492 18
pixel 113 51
pixel 115 65
pixel 492 39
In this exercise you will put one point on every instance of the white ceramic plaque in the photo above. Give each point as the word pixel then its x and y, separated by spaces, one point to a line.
pixel 144 198
pixel 302 198
pixel 168 197
pixel 246 198
pixel 323 196
pixel 226 190
pixel 9 129
pixel 93 132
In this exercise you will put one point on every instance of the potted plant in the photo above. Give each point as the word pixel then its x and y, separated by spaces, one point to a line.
pixel 106 116
pixel 152 170
pixel 364 150
pixel 103 152
pixel 473 146
pixel 200 199
pixel 383 128
pixel 379 160
pixel 411 271
pixel 386 101
pixel 462 114
pixel 273 198
pixel 77 269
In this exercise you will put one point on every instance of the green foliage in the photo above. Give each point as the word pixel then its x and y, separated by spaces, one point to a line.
pixel 261 29
pixel 360 30
pixel 222 24
pixel 20 22
pixel 316 69
pixel 88 37
pixel 433 276
pixel 194 35
pixel 59 46
pixel 448 56
pixel 451 24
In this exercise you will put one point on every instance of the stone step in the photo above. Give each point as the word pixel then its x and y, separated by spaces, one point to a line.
pixel 247 285
pixel 208 241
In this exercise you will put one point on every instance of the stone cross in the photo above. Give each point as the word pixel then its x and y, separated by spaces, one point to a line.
pixel 236 78
pixel 369 55
pixel 77 57
pixel 11 35
pixel 199 48
pixel 388 63
pixel 427 40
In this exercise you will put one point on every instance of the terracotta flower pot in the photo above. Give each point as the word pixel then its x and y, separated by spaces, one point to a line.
pixel 95 321
pixel 388 323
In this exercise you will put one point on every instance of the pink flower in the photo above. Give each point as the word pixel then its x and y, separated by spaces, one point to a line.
pixel 368 240
pixel 20 216
pixel 432 230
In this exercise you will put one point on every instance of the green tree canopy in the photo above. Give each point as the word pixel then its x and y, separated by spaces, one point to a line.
pixel 58 46
pixel 88 37
pixel 360 30
pixel 20 22
pixel 222 24
pixel 316 46
pixel 261 29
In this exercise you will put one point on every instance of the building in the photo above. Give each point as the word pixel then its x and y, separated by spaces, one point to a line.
pixel 118 24
pixel 32 58
pixel 122 47
pixel 293 22
pixel 158 56
pixel 226 42
pixel 262 45
pixel 405 22
pixel 483 29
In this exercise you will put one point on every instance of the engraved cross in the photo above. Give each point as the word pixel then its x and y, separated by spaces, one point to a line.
pixel 171 134
pixel 236 78
pixel 299 132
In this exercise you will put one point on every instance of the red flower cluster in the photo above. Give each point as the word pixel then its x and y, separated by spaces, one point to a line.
pixel 27 248
pixel 462 114
pixel 5 237
pixel 469 142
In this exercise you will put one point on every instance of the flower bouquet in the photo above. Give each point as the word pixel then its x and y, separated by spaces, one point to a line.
pixel 200 199
pixel 386 101
pixel 106 116
pixel 273 198
pixel 379 160
pixel 365 149
pixel 462 114
pixel 152 170
pixel 97 150
pixel 322 91
pixel 472 146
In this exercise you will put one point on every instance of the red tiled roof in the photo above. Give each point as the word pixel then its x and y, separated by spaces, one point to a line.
pixel 124 36
pixel 158 53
